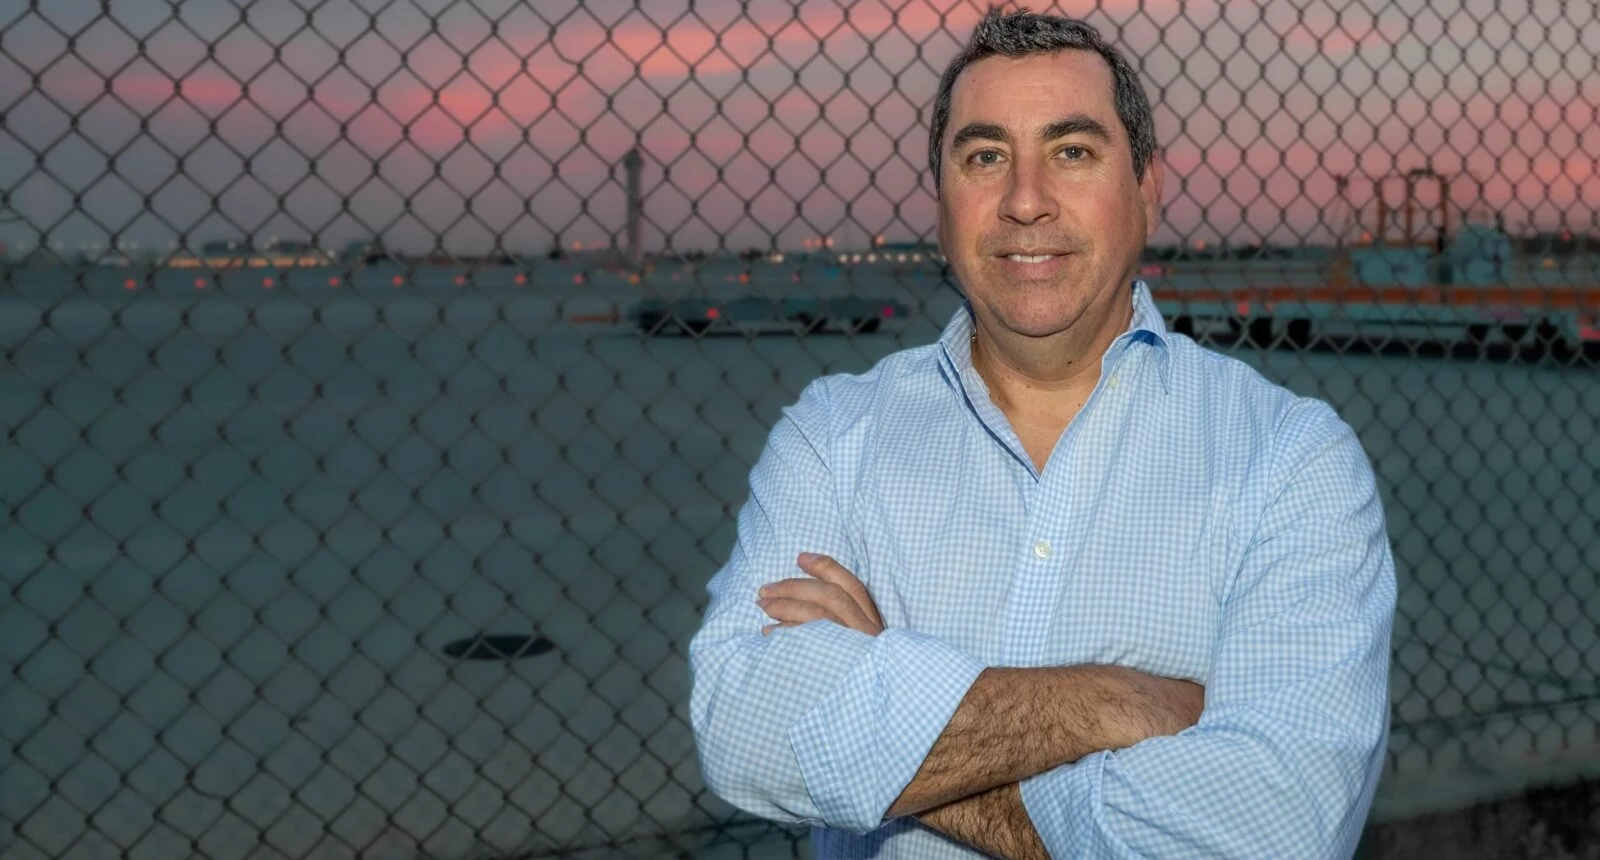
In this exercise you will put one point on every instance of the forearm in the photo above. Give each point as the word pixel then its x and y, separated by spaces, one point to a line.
pixel 1015 723
pixel 994 822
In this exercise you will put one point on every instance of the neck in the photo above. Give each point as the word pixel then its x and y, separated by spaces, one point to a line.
pixel 1046 380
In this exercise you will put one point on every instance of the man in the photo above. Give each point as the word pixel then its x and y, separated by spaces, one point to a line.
pixel 1023 550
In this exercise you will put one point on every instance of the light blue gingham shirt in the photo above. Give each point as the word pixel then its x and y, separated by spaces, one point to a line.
pixel 1195 521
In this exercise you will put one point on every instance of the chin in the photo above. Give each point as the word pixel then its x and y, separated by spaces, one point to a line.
pixel 1039 322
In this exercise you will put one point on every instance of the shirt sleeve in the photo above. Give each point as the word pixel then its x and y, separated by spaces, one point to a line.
pixel 815 724
pixel 1287 753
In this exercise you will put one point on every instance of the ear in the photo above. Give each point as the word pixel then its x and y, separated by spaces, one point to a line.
pixel 1150 189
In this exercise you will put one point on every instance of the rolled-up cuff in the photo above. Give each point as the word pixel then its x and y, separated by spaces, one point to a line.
pixel 1061 802
pixel 862 744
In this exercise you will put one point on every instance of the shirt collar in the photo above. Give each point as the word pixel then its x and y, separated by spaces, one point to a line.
pixel 1147 327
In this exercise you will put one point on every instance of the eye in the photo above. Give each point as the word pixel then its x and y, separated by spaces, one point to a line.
pixel 985 157
pixel 1075 152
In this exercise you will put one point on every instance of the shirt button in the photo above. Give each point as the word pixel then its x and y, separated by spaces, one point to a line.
pixel 1042 549
pixel 1113 381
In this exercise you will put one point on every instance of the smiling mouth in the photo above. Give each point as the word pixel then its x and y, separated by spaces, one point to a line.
pixel 1031 258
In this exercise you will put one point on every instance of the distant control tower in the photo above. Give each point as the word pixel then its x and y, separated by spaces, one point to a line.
pixel 633 162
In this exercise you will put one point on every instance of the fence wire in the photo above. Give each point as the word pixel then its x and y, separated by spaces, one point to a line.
pixel 382 378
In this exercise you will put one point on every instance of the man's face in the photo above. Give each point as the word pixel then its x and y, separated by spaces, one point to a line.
pixel 1040 214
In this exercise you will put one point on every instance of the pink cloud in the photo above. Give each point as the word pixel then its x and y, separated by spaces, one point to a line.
pixel 148 90
pixel 1336 40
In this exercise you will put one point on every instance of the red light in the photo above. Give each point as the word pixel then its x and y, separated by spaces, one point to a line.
pixel 199 283
pixel 129 284
pixel 333 282
pixel 521 279
pixel 460 280
pixel 398 280
pixel 888 311
pixel 266 282
pixel 712 313
pixel 577 279
pixel 1243 309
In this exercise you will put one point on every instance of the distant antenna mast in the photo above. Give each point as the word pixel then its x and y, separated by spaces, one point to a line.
pixel 633 164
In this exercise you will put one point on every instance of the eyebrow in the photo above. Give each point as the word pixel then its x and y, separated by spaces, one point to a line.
pixel 1076 124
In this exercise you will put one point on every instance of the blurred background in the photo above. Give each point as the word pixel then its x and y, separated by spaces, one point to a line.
pixel 382 378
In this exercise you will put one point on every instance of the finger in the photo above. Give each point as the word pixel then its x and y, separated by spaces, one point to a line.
pixel 803 589
pixel 827 595
pixel 827 569
pixel 797 611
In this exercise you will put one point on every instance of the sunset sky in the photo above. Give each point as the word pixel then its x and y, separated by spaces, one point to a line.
pixel 761 122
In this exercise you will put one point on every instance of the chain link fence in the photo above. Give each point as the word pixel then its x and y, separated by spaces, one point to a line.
pixel 382 377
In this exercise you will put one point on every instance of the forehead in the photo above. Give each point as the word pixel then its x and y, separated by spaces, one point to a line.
pixel 1027 93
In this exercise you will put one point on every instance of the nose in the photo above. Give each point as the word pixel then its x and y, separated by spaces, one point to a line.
pixel 1029 199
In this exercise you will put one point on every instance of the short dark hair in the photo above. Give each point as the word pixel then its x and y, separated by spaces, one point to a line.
pixel 1022 33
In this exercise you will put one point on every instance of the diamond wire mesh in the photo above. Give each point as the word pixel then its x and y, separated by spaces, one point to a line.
pixel 459 375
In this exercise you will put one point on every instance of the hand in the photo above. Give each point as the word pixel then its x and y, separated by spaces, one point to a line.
pixel 1169 705
pixel 832 593
pixel 1185 700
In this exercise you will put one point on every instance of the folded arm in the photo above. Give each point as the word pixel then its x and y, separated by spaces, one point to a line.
pixel 817 723
pixel 1016 723
pixel 1284 760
